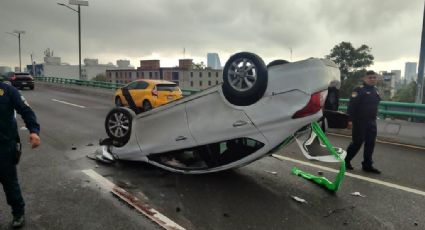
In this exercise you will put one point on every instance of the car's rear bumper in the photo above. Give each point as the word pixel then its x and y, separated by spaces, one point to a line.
pixel 23 83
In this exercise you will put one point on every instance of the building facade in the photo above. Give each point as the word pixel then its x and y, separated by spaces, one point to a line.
pixel 52 67
pixel 184 74
pixel 213 61
pixel 386 85
pixel 410 73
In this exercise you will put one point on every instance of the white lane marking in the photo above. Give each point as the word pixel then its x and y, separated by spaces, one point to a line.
pixel 67 103
pixel 368 179
pixel 143 208
pixel 384 142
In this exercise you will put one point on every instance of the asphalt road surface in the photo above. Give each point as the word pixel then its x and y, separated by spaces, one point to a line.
pixel 60 195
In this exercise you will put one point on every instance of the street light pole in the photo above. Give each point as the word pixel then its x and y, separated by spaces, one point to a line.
pixel 79 42
pixel 78 3
pixel 420 81
pixel 17 33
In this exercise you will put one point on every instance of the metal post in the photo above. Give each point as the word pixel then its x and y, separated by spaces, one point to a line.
pixel 79 43
pixel 78 3
pixel 420 80
pixel 19 41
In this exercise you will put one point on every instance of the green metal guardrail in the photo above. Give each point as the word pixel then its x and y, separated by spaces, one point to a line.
pixel 95 84
pixel 68 81
pixel 386 108
pixel 394 109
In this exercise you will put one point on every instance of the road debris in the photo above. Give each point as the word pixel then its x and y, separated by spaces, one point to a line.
pixel 90 144
pixel 297 199
pixel 74 148
pixel 226 215
pixel 178 209
pixel 357 194
pixel 334 211
pixel 271 172
pixel 320 173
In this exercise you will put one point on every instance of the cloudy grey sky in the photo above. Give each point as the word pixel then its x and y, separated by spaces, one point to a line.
pixel 161 29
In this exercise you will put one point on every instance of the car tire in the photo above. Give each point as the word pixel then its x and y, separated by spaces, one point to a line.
pixel 118 124
pixel 244 79
pixel 277 62
pixel 118 102
pixel 146 106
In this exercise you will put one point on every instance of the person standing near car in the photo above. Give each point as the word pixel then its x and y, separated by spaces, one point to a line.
pixel 363 110
pixel 332 101
pixel 11 100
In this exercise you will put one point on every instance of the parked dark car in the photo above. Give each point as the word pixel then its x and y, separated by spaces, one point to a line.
pixel 20 80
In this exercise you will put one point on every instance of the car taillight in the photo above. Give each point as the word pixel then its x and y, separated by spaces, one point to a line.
pixel 313 106
pixel 155 92
pixel 13 78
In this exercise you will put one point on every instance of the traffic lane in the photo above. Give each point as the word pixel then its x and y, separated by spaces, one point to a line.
pixel 59 196
pixel 86 96
pixel 65 125
pixel 399 164
pixel 253 198
pixel 120 171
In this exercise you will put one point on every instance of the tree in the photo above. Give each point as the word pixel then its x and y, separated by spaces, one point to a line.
pixel 198 65
pixel 350 59
pixel 407 93
pixel 352 63
pixel 100 77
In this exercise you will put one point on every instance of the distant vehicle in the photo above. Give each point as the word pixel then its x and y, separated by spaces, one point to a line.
pixel 254 110
pixel 20 80
pixel 147 94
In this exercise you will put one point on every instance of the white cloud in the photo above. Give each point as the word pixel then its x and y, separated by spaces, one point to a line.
pixel 135 29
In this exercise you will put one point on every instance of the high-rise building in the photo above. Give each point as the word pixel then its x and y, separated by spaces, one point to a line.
pixel 213 61
pixel 410 72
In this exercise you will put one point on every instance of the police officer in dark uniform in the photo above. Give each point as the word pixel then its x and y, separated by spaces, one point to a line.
pixel 11 100
pixel 362 110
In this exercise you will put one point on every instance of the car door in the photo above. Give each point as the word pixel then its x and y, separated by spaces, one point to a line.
pixel 211 120
pixel 164 130
pixel 139 92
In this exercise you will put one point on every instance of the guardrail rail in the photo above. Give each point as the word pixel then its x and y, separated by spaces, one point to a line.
pixel 391 109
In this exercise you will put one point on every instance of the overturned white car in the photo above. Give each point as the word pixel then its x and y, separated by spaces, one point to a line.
pixel 228 125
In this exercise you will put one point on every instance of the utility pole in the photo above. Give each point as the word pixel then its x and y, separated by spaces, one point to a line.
pixel 33 65
pixel 78 11
pixel 420 81
pixel 17 33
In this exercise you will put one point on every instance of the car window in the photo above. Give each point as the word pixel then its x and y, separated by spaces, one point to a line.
pixel 132 85
pixel 22 75
pixel 167 87
pixel 142 85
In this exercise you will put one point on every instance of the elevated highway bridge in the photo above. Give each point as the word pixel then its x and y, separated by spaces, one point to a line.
pixel 66 190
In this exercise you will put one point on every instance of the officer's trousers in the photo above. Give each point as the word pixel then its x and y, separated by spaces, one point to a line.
pixel 363 131
pixel 9 178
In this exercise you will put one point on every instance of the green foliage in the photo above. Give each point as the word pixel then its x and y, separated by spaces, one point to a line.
pixel 352 80
pixel 198 66
pixel 406 94
pixel 352 63
pixel 100 77
pixel 350 59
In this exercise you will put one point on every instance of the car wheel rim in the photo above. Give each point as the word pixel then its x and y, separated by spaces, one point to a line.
pixel 119 124
pixel 242 74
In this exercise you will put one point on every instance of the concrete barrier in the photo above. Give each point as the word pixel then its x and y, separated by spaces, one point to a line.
pixel 397 131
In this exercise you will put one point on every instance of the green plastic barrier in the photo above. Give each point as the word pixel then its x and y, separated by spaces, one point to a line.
pixel 333 186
